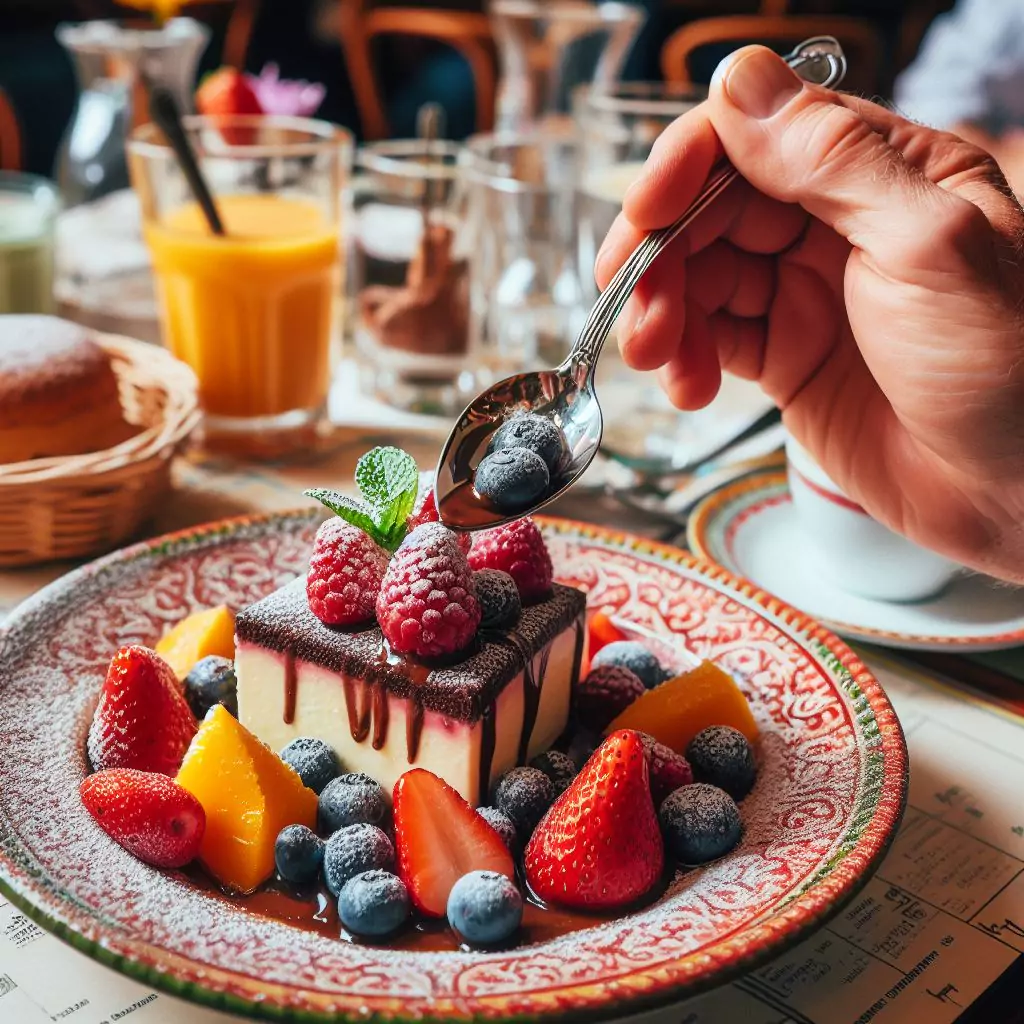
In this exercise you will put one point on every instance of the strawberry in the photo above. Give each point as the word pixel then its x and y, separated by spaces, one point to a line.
pixel 599 846
pixel 440 838
pixel 148 814
pixel 602 632
pixel 142 720
pixel 225 92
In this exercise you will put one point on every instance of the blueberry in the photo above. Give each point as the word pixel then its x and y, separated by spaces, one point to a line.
pixel 373 903
pixel 498 597
pixel 485 907
pixel 722 756
pixel 298 854
pixel 314 761
pixel 524 794
pixel 580 744
pixel 540 435
pixel 502 824
pixel 349 799
pixel 512 480
pixel 558 767
pixel 212 681
pixel 699 823
pixel 354 849
pixel 634 656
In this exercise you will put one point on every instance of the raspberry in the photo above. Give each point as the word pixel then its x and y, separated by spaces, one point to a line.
pixel 345 574
pixel 426 604
pixel 668 770
pixel 606 692
pixel 518 549
pixel 558 767
pixel 426 512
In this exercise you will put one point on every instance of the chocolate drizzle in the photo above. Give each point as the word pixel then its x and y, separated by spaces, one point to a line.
pixel 291 687
pixel 380 715
pixel 577 656
pixel 488 738
pixel 413 728
pixel 358 720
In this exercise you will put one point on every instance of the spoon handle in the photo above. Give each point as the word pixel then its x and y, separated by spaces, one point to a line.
pixel 819 60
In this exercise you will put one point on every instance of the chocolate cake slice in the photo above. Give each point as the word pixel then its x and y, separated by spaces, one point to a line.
pixel 469 720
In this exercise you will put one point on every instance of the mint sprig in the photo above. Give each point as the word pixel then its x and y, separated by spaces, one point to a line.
pixel 388 480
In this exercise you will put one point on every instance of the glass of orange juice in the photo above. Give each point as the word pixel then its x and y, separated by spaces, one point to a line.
pixel 253 311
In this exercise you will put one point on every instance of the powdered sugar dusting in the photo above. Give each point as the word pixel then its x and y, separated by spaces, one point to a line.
pixel 818 737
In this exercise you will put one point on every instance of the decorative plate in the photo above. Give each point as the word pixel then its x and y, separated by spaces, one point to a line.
pixel 750 528
pixel 830 795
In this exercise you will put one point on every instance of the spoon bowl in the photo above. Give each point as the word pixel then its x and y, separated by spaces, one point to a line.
pixel 554 394
pixel 566 395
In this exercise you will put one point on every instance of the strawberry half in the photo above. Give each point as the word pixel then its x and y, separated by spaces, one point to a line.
pixel 148 814
pixel 142 720
pixel 440 838
pixel 599 846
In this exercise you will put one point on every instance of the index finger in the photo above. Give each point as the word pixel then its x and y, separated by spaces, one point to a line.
pixel 675 171
pixel 679 164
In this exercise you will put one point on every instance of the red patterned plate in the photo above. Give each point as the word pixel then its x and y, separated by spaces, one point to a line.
pixel 826 805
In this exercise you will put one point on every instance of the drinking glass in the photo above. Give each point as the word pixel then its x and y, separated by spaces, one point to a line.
pixel 28 214
pixel 549 48
pixel 408 275
pixel 526 300
pixel 252 311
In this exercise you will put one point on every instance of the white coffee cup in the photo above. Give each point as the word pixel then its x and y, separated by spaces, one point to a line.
pixel 861 555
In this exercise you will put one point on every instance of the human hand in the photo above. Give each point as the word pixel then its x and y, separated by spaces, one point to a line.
pixel 868 274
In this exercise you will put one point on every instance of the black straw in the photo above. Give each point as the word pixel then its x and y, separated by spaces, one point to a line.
pixel 163 109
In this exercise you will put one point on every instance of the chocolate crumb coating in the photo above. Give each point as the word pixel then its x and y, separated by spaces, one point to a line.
pixel 460 690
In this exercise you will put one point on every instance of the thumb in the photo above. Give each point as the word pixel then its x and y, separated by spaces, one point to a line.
pixel 798 143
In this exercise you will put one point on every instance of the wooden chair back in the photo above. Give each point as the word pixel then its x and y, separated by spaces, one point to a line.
pixel 465 31
pixel 859 38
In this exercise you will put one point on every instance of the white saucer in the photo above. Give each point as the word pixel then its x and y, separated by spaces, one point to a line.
pixel 750 527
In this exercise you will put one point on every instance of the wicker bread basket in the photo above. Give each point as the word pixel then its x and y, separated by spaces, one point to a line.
pixel 79 505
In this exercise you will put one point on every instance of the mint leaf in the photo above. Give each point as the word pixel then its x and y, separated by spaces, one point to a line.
pixel 346 508
pixel 388 480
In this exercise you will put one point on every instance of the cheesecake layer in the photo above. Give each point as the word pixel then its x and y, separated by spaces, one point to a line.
pixel 468 722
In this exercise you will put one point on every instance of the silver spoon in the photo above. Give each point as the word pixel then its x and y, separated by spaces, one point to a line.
pixel 566 395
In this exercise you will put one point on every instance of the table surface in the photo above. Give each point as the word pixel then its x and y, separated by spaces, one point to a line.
pixel 932 833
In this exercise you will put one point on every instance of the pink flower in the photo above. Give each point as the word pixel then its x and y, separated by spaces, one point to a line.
pixel 277 95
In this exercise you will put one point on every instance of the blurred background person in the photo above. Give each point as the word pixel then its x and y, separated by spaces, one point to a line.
pixel 968 78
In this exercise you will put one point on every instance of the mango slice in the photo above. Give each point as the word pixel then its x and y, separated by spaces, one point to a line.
pixel 248 793
pixel 674 712
pixel 211 631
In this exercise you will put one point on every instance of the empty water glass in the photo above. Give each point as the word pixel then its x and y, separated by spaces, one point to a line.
pixel 526 300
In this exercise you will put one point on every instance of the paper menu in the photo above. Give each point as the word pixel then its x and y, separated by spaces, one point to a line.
pixel 942 919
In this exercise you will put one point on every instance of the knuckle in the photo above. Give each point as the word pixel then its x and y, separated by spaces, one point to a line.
pixel 959 229
pixel 956 240
pixel 831 139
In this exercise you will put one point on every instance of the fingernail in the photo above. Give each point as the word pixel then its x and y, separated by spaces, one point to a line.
pixel 759 83
pixel 602 255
